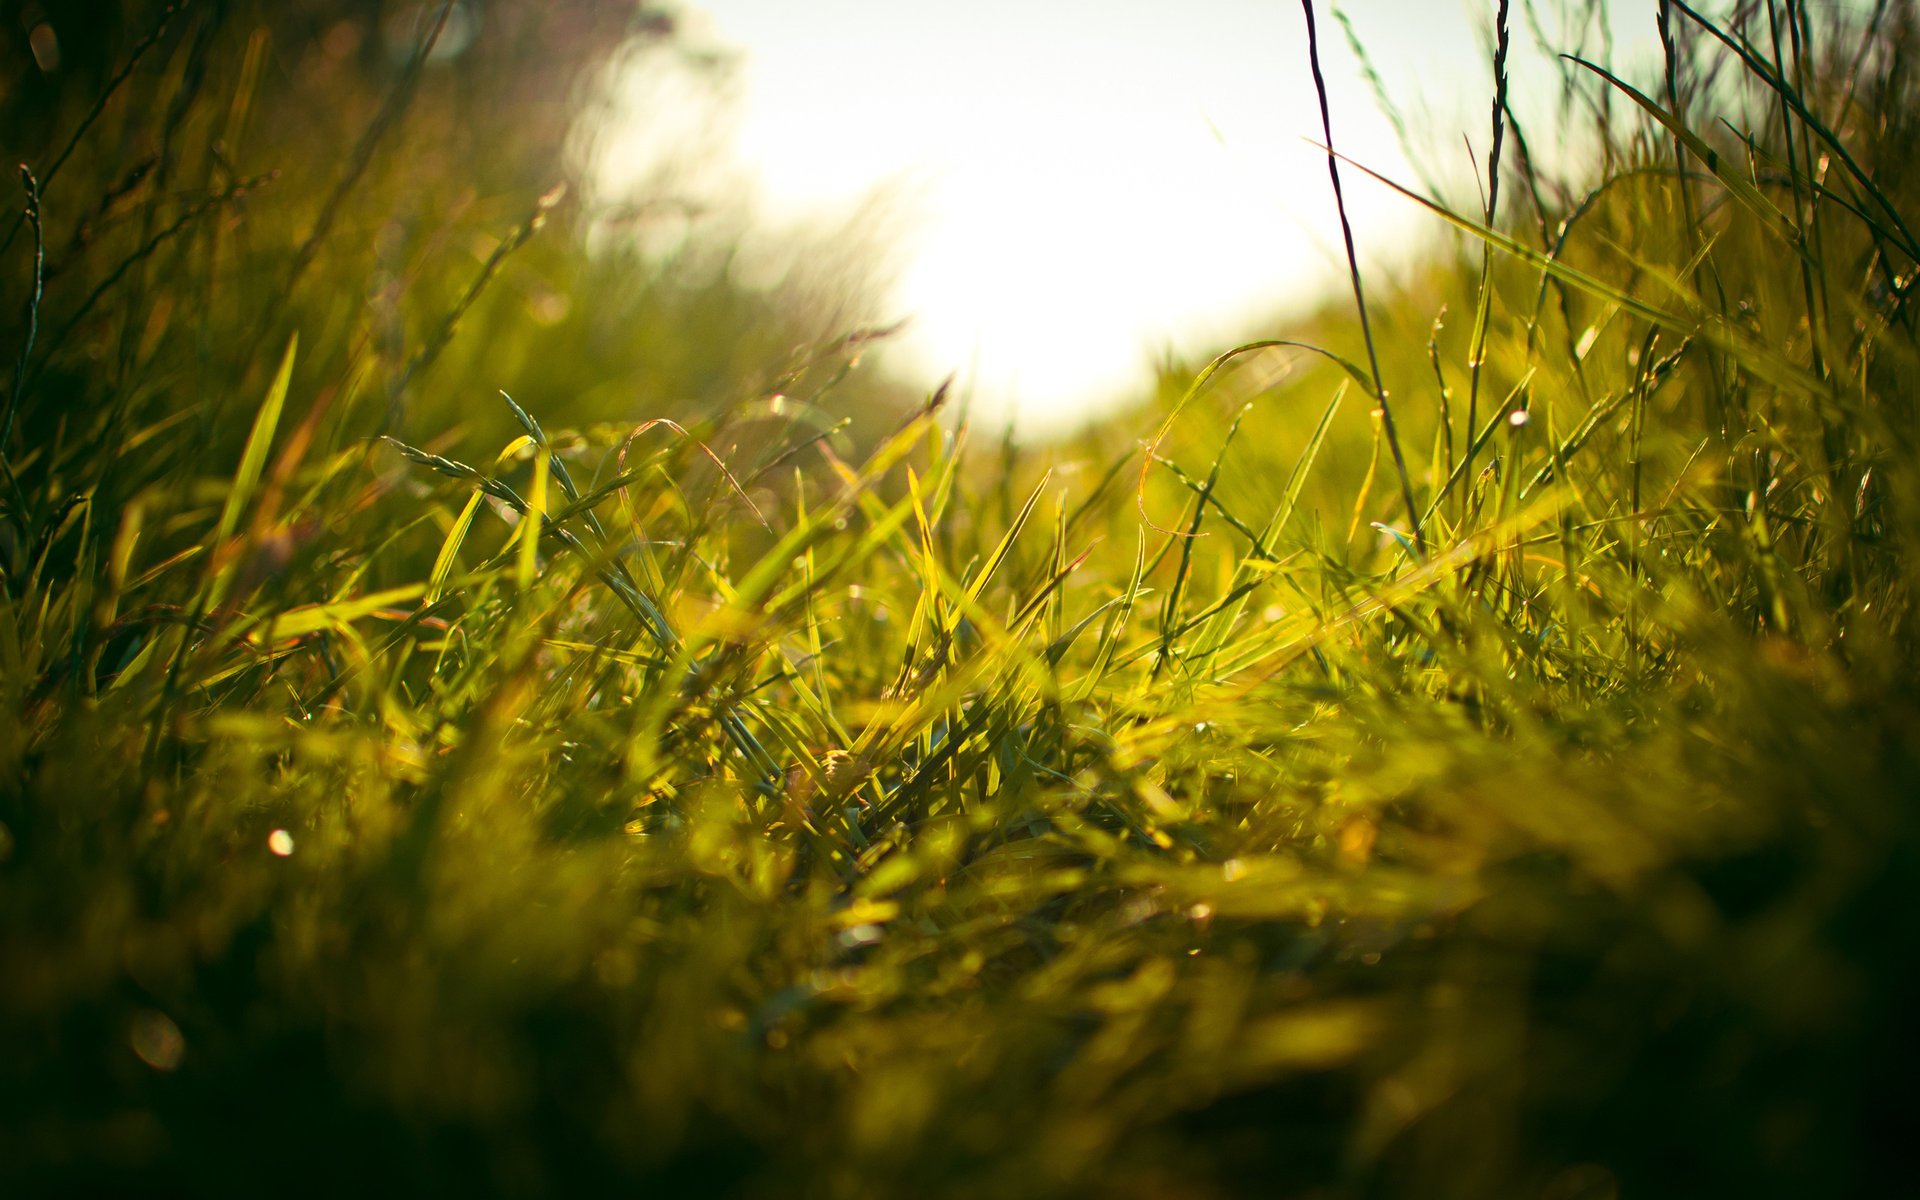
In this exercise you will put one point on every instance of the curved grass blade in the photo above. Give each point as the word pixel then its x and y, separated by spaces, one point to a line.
pixel 253 460
pixel 1743 190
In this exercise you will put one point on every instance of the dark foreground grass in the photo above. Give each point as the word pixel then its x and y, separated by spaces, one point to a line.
pixel 556 812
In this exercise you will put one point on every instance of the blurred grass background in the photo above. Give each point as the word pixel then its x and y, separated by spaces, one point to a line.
pixel 1476 761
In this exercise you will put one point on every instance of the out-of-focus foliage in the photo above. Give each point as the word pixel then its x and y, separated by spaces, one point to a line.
pixel 959 820
pixel 271 167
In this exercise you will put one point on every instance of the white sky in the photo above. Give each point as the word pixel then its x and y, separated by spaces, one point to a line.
pixel 1073 185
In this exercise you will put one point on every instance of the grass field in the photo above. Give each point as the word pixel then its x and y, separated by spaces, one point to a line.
pixel 1477 762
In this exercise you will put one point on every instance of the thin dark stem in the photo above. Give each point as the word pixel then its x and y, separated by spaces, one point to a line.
pixel 1476 357
pixel 32 217
pixel 519 237
pixel 396 103
pixel 1353 272
pixel 146 251
pixel 1690 211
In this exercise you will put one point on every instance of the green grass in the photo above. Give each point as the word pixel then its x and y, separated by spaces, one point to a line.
pixel 405 788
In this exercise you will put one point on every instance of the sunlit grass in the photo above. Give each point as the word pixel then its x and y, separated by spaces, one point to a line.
pixel 407 786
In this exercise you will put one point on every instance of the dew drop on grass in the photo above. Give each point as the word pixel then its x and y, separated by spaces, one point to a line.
pixel 1518 417
pixel 280 842
pixel 157 1040
pixel 45 45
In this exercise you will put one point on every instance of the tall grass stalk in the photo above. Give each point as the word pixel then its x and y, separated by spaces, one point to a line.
pixel 1353 275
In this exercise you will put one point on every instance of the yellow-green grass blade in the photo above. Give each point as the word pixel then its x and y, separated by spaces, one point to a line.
pixel 450 547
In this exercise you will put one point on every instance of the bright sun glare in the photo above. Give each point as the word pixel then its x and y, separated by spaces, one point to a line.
pixel 1079 186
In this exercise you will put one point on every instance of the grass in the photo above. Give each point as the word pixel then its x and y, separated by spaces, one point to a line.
pixel 408 788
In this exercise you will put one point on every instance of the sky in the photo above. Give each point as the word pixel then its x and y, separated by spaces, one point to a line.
pixel 1066 189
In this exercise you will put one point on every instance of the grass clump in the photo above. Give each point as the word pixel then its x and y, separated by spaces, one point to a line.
pixel 564 803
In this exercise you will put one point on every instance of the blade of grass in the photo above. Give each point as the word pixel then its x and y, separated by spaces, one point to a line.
pixel 1483 308
pixel 253 459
